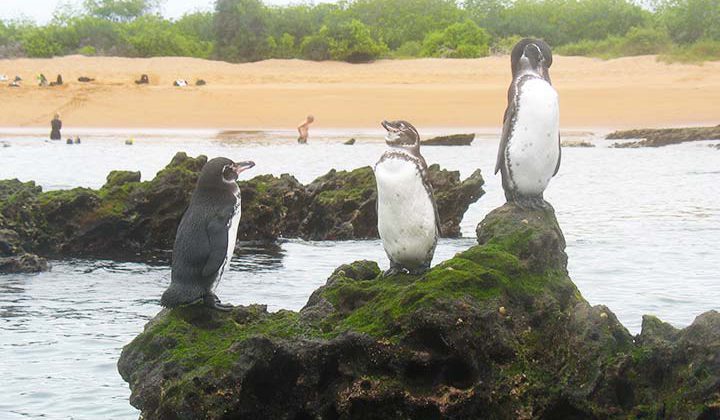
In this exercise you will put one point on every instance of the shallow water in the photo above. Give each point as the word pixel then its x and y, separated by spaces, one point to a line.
pixel 641 227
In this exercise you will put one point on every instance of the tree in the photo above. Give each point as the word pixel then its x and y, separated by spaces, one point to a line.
pixel 241 30
pixel 459 40
pixel 395 22
pixel 120 10
pixel 353 43
pixel 690 20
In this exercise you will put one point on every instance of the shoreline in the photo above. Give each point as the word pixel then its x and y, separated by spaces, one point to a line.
pixel 442 94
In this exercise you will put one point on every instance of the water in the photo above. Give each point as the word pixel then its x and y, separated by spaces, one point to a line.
pixel 641 227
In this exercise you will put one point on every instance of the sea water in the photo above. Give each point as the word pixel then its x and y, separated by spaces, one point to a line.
pixel 641 227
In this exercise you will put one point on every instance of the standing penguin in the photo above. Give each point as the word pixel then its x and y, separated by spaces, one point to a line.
pixel 408 220
pixel 529 152
pixel 206 236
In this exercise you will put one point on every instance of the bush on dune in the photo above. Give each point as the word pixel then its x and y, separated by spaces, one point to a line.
pixel 697 52
pixel 459 40
pixel 638 41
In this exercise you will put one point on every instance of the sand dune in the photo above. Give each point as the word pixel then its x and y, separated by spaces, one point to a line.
pixel 626 92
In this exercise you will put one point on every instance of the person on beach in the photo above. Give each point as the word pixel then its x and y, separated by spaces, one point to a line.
pixel 56 125
pixel 304 128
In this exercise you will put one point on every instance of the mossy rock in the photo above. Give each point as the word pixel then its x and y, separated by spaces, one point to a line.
pixel 120 178
pixel 498 331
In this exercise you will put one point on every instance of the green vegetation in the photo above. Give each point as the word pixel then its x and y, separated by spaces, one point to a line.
pixel 364 30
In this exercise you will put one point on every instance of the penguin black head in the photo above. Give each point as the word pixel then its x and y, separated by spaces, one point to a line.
pixel 533 55
pixel 222 172
pixel 401 134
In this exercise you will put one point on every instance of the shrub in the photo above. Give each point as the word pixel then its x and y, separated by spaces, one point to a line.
pixel 87 50
pixel 408 50
pixel 459 40
pixel 697 52
pixel 353 43
pixel 316 47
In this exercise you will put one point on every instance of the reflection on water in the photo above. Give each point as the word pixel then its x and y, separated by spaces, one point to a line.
pixel 641 227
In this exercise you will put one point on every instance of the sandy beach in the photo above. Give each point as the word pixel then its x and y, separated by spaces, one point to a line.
pixel 277 94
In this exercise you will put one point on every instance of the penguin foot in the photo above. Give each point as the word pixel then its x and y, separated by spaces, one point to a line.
pixel 393 270
pixel 213 302
pixel 531 203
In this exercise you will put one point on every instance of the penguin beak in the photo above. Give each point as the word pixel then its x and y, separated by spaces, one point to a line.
pixel 243 166
pixel 392 132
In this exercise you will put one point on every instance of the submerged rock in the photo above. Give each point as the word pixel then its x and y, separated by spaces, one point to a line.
pixel 451 140
pixel 130 219
pixel 576 143
pixel 23 263
pixel 663 136
pixel 498 331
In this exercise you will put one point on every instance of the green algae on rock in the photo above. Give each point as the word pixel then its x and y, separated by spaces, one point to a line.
pixel 498 331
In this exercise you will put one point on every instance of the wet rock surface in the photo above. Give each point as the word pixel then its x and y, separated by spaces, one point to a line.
pixel 451 140
pixel 14 259
pixel 498 331
pixel 130 219
pixel 576 143
pixel 663 136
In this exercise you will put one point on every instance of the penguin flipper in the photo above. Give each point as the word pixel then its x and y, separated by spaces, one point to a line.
pixel 506 131
pixel 218 241
pixel 557 167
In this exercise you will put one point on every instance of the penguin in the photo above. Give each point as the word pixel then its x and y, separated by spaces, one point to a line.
pixel 529 152
pixel 408 221
pixel 205 238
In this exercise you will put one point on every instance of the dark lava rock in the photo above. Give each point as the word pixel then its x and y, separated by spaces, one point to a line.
pixel 349 142
pixel 451 140
pixel 13 259
pixel 128 219
pixel 499 331
pixel 576 143
pixel 23 263
pixel 663 136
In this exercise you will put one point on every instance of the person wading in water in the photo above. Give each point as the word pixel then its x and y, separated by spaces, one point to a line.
pixel 303 129
pixel 56 125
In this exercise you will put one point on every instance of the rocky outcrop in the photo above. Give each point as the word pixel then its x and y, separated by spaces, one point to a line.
pixel 451 140
pixel 499 331
pixel 129 219
pixel 13 257
pixel 663 136
pixel 576 143
pixel 341 204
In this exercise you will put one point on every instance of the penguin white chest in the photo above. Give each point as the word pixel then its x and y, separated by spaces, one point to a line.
pixel 233 225
pixel 533 151
pixel 406 215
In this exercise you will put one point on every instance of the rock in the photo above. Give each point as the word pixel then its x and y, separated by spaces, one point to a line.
pixel 128 219
pixel 576 143
pixel 451 140
pixel 663 136
pixel 9 242
pixel 23 263
pixel 498 331
pixel 454 197
pixel 120 178
pixel 13 259
pixel 714 146
pixel 350 142
pixel 543 245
